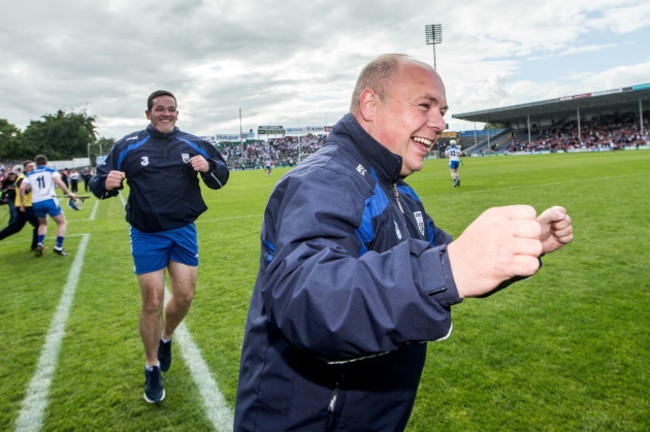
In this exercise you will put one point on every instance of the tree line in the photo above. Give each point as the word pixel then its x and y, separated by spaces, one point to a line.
pixel 58 136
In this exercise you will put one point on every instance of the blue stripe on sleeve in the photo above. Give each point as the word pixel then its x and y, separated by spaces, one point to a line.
pixel 195 147
pixel 270 249
pixel 375 206
pixel 128 149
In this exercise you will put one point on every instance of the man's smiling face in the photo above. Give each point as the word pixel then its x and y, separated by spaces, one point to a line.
pixel 411 119
pixel 163 114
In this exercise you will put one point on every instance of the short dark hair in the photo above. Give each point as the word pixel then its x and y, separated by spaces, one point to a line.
pixel 156 94
pixel 40 160
pixel 377 76
pixel 27 162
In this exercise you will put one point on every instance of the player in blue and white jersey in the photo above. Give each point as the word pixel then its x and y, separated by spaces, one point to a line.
pixel 453 153
pixel 44 202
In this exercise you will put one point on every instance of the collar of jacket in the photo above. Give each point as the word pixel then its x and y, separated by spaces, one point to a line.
pixel 157 134
pixel 386 163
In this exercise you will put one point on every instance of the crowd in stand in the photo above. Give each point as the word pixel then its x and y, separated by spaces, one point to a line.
pixel 604 133
pixel 251 154
pixel 282 151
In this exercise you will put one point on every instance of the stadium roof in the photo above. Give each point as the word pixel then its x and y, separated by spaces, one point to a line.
pixel 621 100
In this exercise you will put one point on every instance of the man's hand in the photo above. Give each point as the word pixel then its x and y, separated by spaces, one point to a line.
pixel 501 243
pixel 114 179
pixel 556 228
pixel 199 163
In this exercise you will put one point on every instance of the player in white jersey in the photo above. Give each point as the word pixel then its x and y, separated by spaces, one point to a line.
pixel 453 152
pixel 44 202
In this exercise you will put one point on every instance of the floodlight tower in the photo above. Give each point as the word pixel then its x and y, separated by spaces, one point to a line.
pixel 433 33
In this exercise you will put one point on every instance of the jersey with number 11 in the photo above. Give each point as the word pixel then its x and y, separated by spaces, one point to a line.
pixel 42 182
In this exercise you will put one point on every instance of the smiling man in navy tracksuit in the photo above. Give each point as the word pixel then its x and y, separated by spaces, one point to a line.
pixel 160 165
pixel 354 276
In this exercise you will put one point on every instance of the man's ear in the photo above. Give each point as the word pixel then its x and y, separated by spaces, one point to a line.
pixel 368 104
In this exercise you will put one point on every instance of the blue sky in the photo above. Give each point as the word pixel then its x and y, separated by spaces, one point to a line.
pixel 605 49
pixel 294 63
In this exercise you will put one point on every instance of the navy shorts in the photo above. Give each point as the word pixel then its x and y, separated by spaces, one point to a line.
pixel 153 251
pixel 48 207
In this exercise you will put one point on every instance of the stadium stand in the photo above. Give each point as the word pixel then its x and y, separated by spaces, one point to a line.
pixel 604 132
pixel 608 132
pixel 613 118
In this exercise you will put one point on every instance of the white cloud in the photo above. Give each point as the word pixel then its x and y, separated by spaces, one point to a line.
pixel 296 62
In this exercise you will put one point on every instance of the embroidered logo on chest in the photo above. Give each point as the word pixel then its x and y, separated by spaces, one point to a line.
pixel 185 157
pixel 420 220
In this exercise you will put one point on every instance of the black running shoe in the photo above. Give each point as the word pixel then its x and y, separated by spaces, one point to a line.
pixel 60 251
pixel 165 355
pixel 39 250
pixel 153 387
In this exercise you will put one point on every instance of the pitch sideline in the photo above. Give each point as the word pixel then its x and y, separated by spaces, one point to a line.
pixel 215 406
pixel 35 402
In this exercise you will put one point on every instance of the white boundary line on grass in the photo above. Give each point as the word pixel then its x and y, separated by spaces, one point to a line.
pixel 216 408
pixel 92 215
pixel 214 403
pixel 35 402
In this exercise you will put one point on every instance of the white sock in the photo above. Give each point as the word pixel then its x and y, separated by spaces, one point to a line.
pixel 150 368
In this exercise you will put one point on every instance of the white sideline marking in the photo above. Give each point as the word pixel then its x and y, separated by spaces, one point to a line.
pixel 92 215
pixel 122 198
pixel 35 402
pixel 199 221
pixel 216 408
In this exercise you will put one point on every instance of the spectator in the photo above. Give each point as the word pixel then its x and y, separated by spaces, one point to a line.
pixel 86 176
pixel 74 180
pixel 9 195
pixel 23 216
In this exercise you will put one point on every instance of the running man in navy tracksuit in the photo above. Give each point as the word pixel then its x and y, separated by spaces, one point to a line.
pixel 160 165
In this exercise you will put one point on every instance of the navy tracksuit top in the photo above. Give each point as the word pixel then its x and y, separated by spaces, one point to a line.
pixel 354 278
pixel 164 188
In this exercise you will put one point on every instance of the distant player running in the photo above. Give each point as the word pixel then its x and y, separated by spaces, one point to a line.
pixel 453 152
pixel 269 166
pixel 42 180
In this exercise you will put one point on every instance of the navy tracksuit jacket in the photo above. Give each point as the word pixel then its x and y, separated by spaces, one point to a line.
pixel 164 188
pixel 354 278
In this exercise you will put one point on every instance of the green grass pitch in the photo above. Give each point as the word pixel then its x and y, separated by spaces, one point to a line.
pixel 567 350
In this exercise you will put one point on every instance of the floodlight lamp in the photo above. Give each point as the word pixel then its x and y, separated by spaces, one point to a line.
pixel 433 33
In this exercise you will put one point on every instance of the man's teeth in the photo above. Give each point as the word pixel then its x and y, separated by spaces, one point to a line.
pixel 424 141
